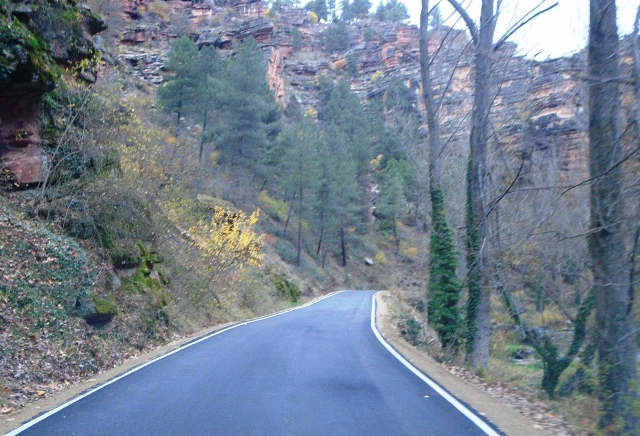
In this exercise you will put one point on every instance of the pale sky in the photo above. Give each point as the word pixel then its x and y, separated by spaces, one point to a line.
pixel 558 32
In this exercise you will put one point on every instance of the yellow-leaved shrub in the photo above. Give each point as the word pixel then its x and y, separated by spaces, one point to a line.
pixel 228 241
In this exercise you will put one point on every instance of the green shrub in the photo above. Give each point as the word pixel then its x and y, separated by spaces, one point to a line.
pixel 514 350
pixel 296 36
pixel 285 288
pixel 144 282
pixel 369 34
pixel 336 38
pixel 414 328
pixel 352 65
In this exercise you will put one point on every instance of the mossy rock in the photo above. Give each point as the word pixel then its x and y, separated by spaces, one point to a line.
pixel 24 57
pixel 29 29
pixel 98 310
pixel 149 278
pixel 148 254
pixel 126 256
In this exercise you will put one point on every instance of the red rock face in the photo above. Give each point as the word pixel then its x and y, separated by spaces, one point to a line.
pixel 21 160
pixel 274 72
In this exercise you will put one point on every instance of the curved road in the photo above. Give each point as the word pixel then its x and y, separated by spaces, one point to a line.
pixel 319 370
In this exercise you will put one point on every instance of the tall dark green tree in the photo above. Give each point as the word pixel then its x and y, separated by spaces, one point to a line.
pixel 338 196
pixel 336 37
pixel 300 170
pixel 355 9
pixel 343 110
pixel 182 81
pixel 248 116
pixel 210 67
pixel 392 201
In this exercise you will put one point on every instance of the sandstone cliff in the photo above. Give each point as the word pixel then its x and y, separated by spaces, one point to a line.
pixel 538 104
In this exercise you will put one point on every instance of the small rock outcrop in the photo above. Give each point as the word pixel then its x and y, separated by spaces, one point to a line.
pixel 39 40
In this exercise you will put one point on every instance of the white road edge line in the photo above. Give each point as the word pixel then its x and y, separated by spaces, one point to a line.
pixel 37 419
pixel 455 403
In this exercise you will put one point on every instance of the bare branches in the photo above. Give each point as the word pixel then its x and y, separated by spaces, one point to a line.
pixel 613 166
pixel 530 16
pixel 506 192
pixel 473 29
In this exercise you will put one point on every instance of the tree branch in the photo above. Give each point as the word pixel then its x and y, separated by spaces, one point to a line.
pixel 523 22
pixel 473 29
pixel 504 194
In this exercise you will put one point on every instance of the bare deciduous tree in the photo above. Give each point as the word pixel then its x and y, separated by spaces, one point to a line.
pixel 607 239
pixel 478 301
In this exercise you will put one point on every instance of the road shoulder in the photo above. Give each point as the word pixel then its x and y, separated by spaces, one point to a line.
pixel 507 419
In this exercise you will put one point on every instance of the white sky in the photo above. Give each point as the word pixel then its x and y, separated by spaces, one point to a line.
pixel 558 32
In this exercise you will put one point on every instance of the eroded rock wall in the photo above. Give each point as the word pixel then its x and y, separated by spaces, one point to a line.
pixel 40 41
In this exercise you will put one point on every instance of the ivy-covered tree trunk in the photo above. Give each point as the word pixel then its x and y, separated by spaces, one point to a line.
pixel 444 287
pixel 617 362
pixel 478 303
pixel 474 275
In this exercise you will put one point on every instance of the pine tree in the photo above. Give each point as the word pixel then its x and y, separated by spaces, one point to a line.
pixel 345 112
pixel 355 9
pixel 319 7
pixel 209 87
pixel 337 197
pixel 392 202
pixel 336 37
pixel 248 116
pixel 179 92
pixel 300 170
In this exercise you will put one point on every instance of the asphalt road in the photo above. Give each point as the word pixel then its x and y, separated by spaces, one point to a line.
pixel 319 370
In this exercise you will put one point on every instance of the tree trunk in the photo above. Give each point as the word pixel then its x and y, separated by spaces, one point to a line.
pixel 444 289
pixel 479 306
pixel 321 230
pixel 205 115
pixel 298 255
pixel 433 123
pixel 635 47
pixel 553 364
pixel 343 247
pixel 614 311
pixel 286 223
